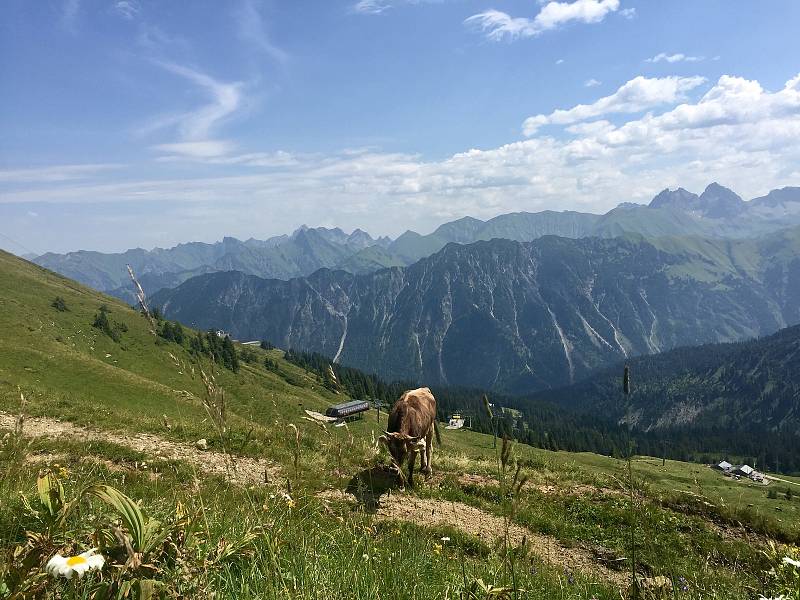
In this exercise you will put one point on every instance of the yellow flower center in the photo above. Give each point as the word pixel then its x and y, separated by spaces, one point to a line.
pixel 75 560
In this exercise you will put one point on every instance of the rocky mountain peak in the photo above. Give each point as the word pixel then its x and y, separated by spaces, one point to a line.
pixel 680 199
pixel 720 202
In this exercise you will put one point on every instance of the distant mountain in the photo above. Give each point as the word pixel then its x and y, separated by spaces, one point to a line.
pixel 521 227
pixel 283 257
pixel 717 212
pixel 511 316
pixel 721 204
pixel 752 385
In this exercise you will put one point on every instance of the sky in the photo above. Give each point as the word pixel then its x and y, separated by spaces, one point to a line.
pixel 144 123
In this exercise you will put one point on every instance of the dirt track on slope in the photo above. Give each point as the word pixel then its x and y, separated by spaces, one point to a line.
pixel 490 529
pixel 247 471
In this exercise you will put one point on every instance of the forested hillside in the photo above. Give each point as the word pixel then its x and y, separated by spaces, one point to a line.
pixel 746 386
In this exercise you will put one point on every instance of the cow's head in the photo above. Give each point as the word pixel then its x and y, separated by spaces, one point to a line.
pixel 400 444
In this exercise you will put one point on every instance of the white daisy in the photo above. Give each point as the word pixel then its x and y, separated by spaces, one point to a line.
pixel 67 566
pixel 790 561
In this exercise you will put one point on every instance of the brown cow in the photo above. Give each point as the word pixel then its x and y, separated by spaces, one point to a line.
pixel 412 424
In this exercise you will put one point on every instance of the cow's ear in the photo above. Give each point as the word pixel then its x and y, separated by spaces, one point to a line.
pixel 420 443
pixel 383 440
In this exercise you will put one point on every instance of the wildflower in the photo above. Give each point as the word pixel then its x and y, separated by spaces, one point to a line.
pixel 75 565
pixel 445 539
pixel 683 584
pixel 790 561
pixel 437 548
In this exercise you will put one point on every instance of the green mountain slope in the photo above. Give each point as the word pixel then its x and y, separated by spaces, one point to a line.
pixel 751 385
pixel 72 370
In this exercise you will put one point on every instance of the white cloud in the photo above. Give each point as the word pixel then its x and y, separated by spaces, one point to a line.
pixel 628 13
pixel 253 31
pixel 226 99
pixel 498 25
pixel 638 94
pixel 592 82
pixel 54 173
pixel 376 7
pixel 198 150
pixel 195 127
pixel 737 132
pixel 128 9
pixel 673 58
pixel 560 61
pixel 371 7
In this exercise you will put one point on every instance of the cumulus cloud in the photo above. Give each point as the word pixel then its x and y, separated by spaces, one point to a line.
pixel 497 25
pixel 592 82
pixel 637 95
pixel 737 132
pixel 673 58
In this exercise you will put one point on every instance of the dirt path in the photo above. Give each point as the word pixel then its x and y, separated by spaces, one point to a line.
pixel 783 480
pixel 248 471
pixel 489 528
pixel 573 489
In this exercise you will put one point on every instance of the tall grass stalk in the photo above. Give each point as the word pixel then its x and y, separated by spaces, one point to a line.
pixel 214 405
pixel 626 390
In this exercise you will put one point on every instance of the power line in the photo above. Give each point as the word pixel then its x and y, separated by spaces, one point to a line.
pixel 20 244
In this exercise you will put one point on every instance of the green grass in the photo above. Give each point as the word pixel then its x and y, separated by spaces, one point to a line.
pixel 693 523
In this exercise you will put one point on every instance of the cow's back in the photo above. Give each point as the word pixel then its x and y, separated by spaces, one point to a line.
pixel 414 413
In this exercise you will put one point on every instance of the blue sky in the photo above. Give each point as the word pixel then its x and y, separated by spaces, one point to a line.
pixel 129 123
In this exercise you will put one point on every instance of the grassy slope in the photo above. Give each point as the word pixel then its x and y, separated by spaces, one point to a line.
pixel 69 370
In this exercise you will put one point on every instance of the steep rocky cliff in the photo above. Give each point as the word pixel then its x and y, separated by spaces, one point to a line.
pixel 513 316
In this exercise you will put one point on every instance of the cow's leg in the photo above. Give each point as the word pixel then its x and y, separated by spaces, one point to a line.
pixel 429 453
pixel 412 458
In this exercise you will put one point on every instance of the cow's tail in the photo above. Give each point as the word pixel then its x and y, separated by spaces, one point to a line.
pixel 436 431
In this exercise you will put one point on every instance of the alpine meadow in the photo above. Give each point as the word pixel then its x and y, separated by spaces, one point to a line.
pixel 400 300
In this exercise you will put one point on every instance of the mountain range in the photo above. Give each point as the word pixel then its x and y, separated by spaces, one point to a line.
pixel 513 316
pixel 717 212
